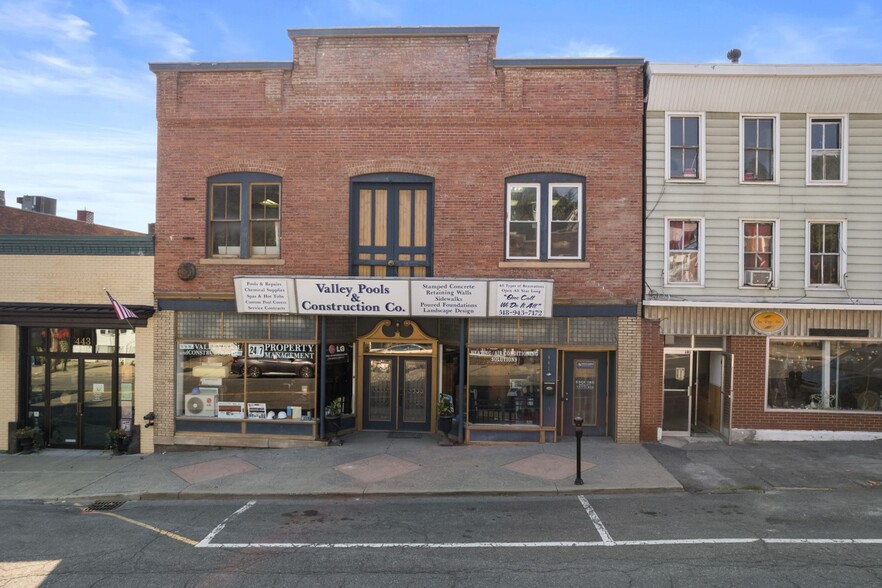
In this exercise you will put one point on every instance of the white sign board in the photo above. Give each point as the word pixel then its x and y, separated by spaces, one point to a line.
pixel 265 295
pixel 448 298
pixel 456 297
pixel 520 299
pixel 351 296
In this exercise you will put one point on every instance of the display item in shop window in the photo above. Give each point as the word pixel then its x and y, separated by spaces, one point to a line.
pixel 256 368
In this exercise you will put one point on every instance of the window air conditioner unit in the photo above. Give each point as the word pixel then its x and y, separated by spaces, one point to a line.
pixel 758 277
pixel 203 404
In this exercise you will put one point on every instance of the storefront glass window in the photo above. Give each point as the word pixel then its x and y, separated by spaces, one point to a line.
pixel 338 371
pixel 73 395
pixel 253 380
pixel 504 386
pixel 825 374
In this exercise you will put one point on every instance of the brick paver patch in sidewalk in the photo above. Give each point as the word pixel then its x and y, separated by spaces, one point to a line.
pixel 547 466
pixel 377 468
pixel 212 470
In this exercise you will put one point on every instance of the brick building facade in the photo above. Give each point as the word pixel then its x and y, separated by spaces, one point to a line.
pixel 390 156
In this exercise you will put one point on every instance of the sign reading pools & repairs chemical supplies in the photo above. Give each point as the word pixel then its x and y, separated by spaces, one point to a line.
pixel 265 295
pixel 458 297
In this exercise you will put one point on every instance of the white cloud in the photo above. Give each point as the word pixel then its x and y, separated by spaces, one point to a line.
pixel 143 22
pixel 106 170
pixel 583 49
pixel 43 74
pixel 60 63
pixel 790 39
pixel 40 18
pixel 786 43
pixel 571 49
pixel 372 9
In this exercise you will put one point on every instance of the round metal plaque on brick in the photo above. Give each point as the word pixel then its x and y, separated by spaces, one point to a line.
pixel 186 271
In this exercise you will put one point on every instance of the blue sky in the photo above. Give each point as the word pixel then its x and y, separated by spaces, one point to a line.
pixel 77 119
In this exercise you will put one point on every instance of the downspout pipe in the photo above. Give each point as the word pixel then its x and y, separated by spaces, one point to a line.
pixel 643 206
pixel 323 370
pixel 460 435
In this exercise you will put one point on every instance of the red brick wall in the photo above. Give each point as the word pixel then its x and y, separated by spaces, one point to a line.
pixel 14 221
pixel 651 380
pixel 428 105
pixel 749 398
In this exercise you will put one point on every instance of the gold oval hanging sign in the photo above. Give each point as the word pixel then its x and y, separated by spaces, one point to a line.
pixel 768 322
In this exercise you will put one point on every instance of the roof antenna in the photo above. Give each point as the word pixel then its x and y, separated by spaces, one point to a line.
pixel 733 55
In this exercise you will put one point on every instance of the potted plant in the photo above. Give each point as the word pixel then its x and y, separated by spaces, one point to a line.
pixel 28 438
pixel 445 413
pixel 334 407
pixel 118 441
pixel 333 418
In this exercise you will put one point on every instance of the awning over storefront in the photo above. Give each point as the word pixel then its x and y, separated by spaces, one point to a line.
pixel 31 314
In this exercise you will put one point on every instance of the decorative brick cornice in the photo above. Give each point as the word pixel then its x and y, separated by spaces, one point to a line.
pixel 547 165
pixel 244 165
pixel 402 166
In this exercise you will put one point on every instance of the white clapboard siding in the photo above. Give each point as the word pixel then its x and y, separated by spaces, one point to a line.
pixel 721 200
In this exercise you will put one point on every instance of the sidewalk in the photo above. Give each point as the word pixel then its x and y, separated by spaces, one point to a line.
pixel 706 464
pixel 373 464
pixel 367 464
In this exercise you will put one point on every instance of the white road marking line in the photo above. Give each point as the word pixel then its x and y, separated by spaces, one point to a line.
pixel 607 540
pixel 476 545
pixel 516 545
pixel 601 530
pixel 207 541
pixel 826 541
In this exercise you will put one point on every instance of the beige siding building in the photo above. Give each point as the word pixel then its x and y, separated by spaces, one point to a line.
pixel 76 370
pixel 763 266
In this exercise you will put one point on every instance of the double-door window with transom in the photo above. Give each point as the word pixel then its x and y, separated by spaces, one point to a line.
pixel 391 226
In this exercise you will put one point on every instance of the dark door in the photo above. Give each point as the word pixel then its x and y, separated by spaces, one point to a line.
pixel 391 230
pixel 397 393
pixel 82 408
pixel 584 393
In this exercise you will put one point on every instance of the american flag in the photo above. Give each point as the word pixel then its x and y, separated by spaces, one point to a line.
pixel 122 313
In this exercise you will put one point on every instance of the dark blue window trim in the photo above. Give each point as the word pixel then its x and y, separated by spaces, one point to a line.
pixel 393 182
pixel 245 179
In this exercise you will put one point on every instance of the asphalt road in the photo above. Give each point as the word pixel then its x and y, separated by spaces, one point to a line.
pixel 779 538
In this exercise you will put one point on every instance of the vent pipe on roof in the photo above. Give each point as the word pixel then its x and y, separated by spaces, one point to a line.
pixel 733 55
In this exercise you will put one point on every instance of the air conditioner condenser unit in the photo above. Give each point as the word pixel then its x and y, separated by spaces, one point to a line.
pixel 203 404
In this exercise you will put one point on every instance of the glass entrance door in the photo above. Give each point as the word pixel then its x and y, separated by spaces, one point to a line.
pixel 81 403
pixel 585 393
pixel 397 393
pixel 677 393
